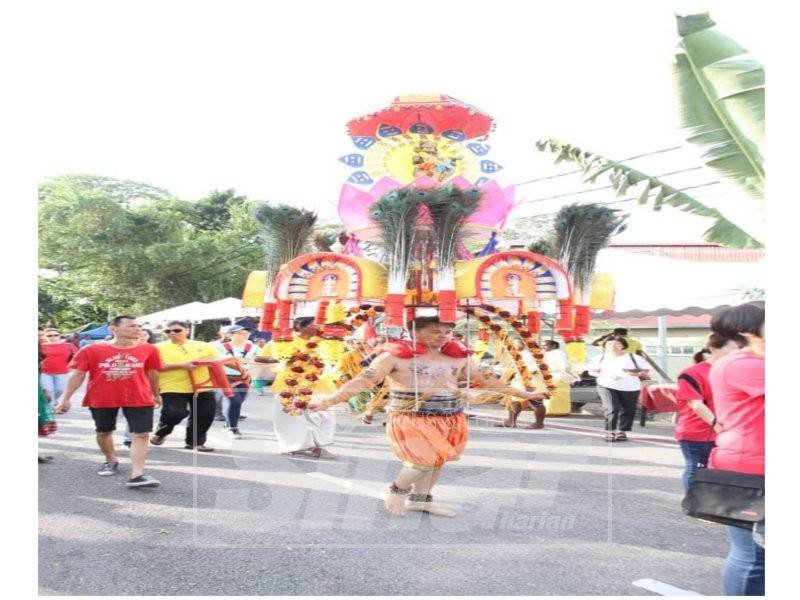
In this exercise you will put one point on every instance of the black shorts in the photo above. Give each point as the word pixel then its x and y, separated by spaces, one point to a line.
pixel 140 418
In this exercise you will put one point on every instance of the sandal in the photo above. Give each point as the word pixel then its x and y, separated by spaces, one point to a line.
pixel 610 437
pixel 620 437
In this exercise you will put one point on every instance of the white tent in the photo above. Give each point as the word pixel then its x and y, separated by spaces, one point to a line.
pixel 185 312
pixel 647 285
pixel 226 308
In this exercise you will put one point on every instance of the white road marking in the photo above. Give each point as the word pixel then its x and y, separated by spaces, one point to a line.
pixel 663 589
pixel 356 487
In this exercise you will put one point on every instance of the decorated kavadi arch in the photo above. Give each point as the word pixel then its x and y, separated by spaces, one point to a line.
pixel 423 214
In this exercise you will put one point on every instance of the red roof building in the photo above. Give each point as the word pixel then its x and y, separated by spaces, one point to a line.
pixel 694 252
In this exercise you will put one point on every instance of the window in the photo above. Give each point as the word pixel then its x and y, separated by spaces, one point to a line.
pixel 673 350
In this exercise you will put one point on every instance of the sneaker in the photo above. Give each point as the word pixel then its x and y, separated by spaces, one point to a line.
pixel 157 440
pixel 234 431
pixel 143 481
pixel 219 418
pixel 108 469
pixel 242 417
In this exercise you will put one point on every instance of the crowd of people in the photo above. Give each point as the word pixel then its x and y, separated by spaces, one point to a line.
pixel 719 425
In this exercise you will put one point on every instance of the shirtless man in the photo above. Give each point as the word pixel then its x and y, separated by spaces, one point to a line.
pixel 426 426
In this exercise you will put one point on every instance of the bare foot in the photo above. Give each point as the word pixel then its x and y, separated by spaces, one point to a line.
pixel 322 453
pixel 431 508
pixel 396 504
pixel 536 425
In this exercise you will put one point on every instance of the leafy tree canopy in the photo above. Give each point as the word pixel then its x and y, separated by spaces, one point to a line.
pixel 124 246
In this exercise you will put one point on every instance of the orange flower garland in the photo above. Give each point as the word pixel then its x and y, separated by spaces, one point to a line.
pixel 527 338
pixel 362 313
pixel 304 370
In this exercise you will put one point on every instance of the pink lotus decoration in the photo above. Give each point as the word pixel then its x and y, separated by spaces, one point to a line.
pixel 495 206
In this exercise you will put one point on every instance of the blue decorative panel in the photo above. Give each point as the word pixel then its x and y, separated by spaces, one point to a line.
pixel 479 149
pixel 454 134
pixel 363 141
pixel 388 131
pixel 420 128
pixel 360 177
pixel 352 160
pixel 489 166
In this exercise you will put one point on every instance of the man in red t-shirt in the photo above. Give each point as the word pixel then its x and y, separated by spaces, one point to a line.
pixel 55 366
pixel 122 374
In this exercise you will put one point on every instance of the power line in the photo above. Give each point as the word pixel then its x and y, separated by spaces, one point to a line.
pixel 605 187
pixel 691 187
pixel 581 170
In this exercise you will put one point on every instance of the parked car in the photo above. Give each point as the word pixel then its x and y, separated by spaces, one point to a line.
pixel 583 392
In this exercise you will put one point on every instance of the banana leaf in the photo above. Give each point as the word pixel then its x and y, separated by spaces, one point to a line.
pixel 720 89
pixel 653 192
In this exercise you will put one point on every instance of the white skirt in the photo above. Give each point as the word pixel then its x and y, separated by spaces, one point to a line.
pixel 308 430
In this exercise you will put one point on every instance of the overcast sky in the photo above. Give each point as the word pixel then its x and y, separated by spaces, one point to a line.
pixel 255 95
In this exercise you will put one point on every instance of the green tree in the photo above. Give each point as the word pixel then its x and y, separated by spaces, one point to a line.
pixel 213 212
pixel 110 255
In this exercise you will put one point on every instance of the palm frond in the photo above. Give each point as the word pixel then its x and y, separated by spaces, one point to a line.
pixel 397 213
pixel 720 90
pixel 653 191
pixel 285 231
pixel 581 231
pixel 449 207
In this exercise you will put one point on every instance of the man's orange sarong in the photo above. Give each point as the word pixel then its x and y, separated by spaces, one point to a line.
pixel 427 441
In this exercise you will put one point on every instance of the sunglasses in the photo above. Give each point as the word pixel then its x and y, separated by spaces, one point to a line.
pixel 173 330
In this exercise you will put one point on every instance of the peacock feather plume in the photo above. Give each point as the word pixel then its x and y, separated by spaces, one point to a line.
pixel 397 214
pixel 449 207
pixel 581 231
pixel 285 232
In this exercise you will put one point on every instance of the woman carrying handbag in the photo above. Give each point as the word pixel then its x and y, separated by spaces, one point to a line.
pixel 737 382
pixel 695 420
pixel 619 380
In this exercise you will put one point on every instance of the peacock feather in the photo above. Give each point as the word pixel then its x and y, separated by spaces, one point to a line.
pixel 285 232
pixel 581 231
pixel 397 214
pixel 449 207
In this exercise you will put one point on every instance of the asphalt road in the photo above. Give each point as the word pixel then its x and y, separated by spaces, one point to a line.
pixel 553 512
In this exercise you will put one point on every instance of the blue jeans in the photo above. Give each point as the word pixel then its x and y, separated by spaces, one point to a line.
pixel 695 455
pixel 232 407
pixel 743 574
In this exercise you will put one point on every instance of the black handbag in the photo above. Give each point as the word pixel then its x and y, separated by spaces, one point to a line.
pixel 726 497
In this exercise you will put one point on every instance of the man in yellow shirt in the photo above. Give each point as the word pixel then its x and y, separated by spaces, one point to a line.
pixel 177 391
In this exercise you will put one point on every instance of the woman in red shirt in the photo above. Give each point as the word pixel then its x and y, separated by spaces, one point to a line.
pixel 694 426
pixel 55 366
pixel 737 381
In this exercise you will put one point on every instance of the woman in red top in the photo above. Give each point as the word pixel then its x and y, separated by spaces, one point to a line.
pixel 737 381
pixel 694 427
pixel 55 366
